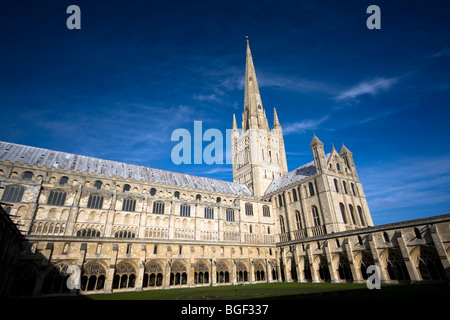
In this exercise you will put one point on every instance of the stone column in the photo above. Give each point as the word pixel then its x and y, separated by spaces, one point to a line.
pixel 111 269
pixel 376 258
pixel 412 270
pixel 47 255
pixel 140 275
pixel 356 273
pixel 314 272
pixel 440 249
pixel 331 267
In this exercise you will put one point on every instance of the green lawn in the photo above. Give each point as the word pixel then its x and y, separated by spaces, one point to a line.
pixel 286 291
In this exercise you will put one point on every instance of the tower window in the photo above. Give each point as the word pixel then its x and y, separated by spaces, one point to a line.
pixel 129 205
pixel 266 211
pixel 248 209
pixel 344 218
pixel 158 207
pixel 336 185
pixel 311 189
pixel 185 210
pixel 98 185
pixel 209 213
pixel 27 175
pixel 126 188
pixel 95 201
pixel 63 181
pixel 316 217
pixel 230 215
pixel 294 194
pixel 57 198
pixel 13 194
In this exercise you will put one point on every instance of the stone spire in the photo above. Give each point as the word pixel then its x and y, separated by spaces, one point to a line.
pixel 276 123
pixel 234 122
pixel 254 116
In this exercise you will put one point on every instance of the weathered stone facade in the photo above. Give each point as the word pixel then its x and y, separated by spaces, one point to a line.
pixel 128 227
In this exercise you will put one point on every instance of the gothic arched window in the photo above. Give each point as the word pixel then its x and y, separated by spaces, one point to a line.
pixel 13 194
pixel 93 277
pixel 299 220
pixel 158 207
pixel 336 185
pixel 230 215
pixel 129 204
pixel 344 217
pixel 209 213
pixel 57 198
pixel 316 217
pixel 185 210
pixel 311 189
pixel 361 217
pixel 95 201
pixel 282 226
pixel 249 209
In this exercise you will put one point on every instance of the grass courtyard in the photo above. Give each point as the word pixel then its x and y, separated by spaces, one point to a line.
pixel 286 291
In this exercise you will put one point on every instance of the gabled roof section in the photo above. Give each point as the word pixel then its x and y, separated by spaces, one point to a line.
pixel 293 177
pixel 16 153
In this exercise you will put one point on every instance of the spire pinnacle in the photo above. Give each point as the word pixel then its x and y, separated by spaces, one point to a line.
pixel 276 123
pixel 315 141
pixel 254 116
pixel 234 122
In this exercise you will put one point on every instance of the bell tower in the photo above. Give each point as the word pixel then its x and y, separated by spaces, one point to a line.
pixel 258 151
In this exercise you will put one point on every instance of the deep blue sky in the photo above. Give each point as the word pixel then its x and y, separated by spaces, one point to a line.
pixel 138 70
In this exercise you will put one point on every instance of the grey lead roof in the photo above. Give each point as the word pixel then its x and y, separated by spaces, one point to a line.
pixel 293 176
pixel 66 161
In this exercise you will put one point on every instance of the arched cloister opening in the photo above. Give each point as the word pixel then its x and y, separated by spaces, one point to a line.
pixel 222 272
pixel 93 277
pixel 201 273
pixel 124 276
pixel 153 275
pixel 178 274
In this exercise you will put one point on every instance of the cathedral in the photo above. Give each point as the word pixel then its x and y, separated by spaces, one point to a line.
pixel 131 228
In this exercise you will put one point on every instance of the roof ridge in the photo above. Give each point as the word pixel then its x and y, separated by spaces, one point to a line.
pixel 111 162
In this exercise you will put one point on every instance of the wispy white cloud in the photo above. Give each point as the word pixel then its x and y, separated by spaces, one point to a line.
pixel 441 53
pixel 209 98
pixel 368 87
pixel 302 126
pixel 411 182
pixel 292 83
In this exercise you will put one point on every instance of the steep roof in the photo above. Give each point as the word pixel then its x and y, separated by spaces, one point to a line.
pixel 293 176
pixel 16 153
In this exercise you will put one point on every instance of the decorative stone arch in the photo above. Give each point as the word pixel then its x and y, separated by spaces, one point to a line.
pixel 25 275
pixel 178 273
pixel 55 281
pixel 201 272
pixel 343 267
pixel 363 259
pixel 321 266
pixel 125 275
pixel 153 274
pixel 394 264
pixel 259 270
pixel 93 276
pixel 222 272
pixel 241 271
pixel 304 268
pixel 426 260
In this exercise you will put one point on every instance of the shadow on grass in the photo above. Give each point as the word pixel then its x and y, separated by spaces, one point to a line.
pixel 284 291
